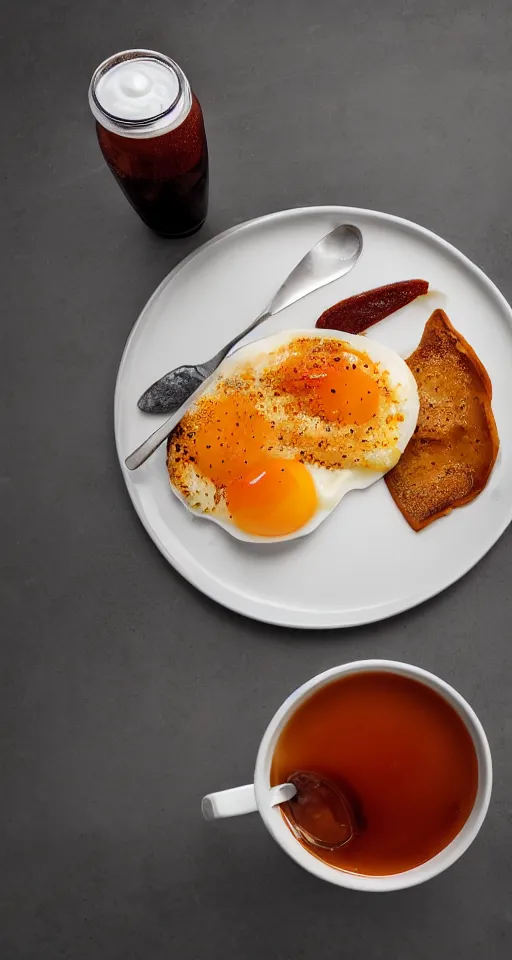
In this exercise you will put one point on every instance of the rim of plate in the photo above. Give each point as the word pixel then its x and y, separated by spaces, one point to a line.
pixel 207 583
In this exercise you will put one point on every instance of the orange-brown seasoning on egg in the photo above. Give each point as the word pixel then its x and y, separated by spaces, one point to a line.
pixel 312 402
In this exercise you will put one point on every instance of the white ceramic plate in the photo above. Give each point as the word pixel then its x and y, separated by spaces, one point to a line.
pixel 364 563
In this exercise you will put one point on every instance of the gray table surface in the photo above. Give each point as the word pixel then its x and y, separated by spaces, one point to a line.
pixel 125 694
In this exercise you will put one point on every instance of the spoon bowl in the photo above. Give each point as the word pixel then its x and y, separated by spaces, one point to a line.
pixel 319 813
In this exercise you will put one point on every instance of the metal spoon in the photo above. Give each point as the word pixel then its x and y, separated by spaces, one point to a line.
pixel 319 813
pixel 329 259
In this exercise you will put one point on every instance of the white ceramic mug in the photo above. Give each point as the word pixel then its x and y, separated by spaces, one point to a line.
pixel 259 796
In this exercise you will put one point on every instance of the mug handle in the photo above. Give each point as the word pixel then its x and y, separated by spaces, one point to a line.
pixel 229 803
pixel 238 800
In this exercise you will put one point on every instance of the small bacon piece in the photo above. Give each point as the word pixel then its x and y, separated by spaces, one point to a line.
pixel 360 312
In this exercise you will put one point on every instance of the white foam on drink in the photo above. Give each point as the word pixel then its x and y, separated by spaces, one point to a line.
pixel 138 89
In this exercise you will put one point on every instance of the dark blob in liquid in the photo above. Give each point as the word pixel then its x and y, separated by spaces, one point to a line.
pixel 401 753
pixel 165 178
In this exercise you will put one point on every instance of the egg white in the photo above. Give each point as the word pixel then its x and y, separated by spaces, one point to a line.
pixel 331 485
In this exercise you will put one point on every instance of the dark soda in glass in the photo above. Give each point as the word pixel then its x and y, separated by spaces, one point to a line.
pixel 151 132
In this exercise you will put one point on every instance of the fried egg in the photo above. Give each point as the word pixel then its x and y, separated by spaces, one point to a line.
pixel 286 427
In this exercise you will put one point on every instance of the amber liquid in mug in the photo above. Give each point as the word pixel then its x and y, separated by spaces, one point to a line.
pixel 402 755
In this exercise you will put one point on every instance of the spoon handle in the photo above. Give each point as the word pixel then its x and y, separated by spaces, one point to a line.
pixel 144 451
pixel 211 365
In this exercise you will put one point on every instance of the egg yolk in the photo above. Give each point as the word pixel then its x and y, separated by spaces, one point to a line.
pixel 231 437
pixel 340 391
pixel 273 498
